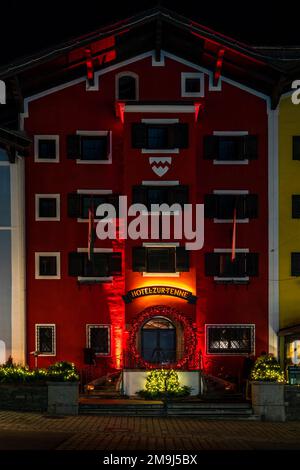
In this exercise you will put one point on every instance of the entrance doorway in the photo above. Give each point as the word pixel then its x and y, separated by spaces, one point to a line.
pixel 158 341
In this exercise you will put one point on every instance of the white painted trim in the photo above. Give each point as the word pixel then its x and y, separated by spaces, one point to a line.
pixel 160 183
pixel 47 325
pixel 158 63
pixel 36 148
pixel 96 250
pixel 160 121
pixel 127 73
pixel 145 274
pixel 230 162
pixel 5 228
pixel 160 151
pixel 237 325
pixel 200 76
pixel 228 250
pixel 211 86
pixel 18 262
pixel 94 191
pixel 158 108
pixel 90 133
pixel 48 196
pixel 230 133
pixel 226 221
pixel 37 255
pixel 4 163
pixel 228 279
pixel 88 337
pixel 273 231
pixel 231 191
pixel 160 244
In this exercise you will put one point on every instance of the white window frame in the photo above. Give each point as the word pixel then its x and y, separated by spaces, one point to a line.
pixel 130 74
pixel 230 134
pixel 38 254
pixel 107 133
pixel 184 76
pixel 228 250
pixel 161 245
pixel 46 325
pixel 233 192
pixel 89 326
pixel 103 278
pixel 93 192
pixel 39 137
pixel 230 325
pixel 48 196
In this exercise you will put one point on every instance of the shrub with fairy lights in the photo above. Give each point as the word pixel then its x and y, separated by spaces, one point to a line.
pixel 267 369
pixel 164 383
pixel 58 372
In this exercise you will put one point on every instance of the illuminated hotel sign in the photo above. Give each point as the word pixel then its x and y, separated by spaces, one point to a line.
pixel 160 290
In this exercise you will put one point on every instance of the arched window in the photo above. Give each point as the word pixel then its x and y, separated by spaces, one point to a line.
pixel 158 341
pixel 127 86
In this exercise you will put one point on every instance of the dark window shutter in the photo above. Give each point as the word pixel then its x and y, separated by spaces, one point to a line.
pixel 182 259
pixel 211 147
pixel 296 147
pixel 180 135
pixel 115 264
pixel 74 205
pixel 178 195
pixel 76 262
pixel 139 195
pixel 295 264
pixel 210 206
pixel 252 261
pixel 139 263
pixel 212 264
pixel 250 147
pixel 139 135
pixel 73 146
pixel 296 206
pixel 251 207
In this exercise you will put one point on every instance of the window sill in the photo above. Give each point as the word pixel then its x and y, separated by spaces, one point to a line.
pixel 176 150
pixel 230 162
pixel 94 162
pixel 227 221
pixel 94 280
pixel 232 280
pixel 145 274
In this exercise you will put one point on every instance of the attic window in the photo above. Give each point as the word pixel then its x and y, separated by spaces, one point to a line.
pixel 127 87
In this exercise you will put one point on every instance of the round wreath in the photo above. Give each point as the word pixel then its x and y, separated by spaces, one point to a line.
pixel 173 314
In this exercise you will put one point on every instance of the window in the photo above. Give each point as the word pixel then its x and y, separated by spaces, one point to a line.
pixel 45 339
pixel 47 265
pixel 80 203
pixel 126 86
pixel 102 264
pixel 47 207
pixel 295 264
pixel 221 206
pixel 46 148
pixel 90 146
pixel 159 136
pixel 296 147
pixel 192 84
pixel 221 267
pixel 158 341
pixel 162 259
pixel 230 148
pixel 296 206
pixel 98 339
pixel 230 339
pixel 149 195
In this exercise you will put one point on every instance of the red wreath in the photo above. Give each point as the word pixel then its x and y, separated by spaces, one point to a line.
pixel 173 314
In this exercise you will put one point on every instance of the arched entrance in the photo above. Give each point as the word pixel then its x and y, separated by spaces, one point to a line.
pixel 158 341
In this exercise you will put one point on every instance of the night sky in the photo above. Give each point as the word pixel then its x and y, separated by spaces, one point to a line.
pixel 29 26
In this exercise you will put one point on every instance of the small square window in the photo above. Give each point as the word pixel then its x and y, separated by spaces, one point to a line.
pixel 47 207
pixel 46 148
pixel 98 339
pixel 94 147
pixel 230 339
pixel 192 85
pixel 45 339
pixel 47 266
pixel 158 137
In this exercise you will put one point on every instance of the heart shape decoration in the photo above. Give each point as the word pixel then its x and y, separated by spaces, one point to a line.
pixel 160 165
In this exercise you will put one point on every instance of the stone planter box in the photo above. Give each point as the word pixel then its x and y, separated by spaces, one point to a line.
pixel 63 398
pixel 23 397
pixel 268 400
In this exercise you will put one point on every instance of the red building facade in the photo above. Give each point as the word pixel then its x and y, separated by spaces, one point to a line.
pixel 160 129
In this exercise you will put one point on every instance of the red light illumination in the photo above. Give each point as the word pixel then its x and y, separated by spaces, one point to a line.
pixel 218 69
pixel 120 110
pixel 198 107
pixel 89 66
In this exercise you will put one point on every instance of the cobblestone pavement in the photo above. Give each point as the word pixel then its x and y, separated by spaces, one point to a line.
pixel 137 433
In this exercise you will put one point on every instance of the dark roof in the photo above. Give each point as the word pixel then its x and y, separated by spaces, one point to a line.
pixel 268 70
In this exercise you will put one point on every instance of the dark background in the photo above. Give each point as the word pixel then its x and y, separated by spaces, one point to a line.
pixel 27 26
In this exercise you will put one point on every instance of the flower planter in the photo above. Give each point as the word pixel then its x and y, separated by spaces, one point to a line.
pixel 63 398
pixel 268 400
